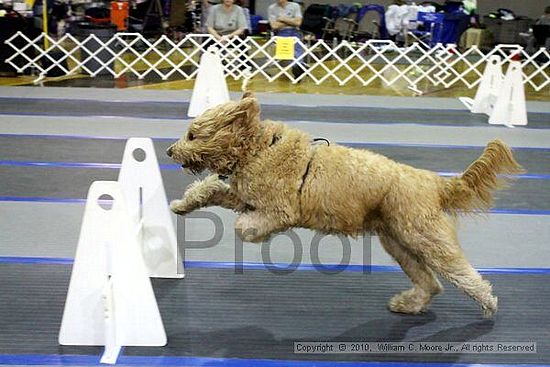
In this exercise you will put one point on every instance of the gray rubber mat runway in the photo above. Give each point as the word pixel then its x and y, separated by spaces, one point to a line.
pixel 172 110
pixel 441 159
pixel 58 182
pixel 54 181
pixel 73 183
pixel 126 127
pixel 266 98
pixel 257 314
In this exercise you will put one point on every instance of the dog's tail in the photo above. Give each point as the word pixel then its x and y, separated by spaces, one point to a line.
pixel 473 190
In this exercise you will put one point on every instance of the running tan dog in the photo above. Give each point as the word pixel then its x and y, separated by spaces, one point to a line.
pixel 279 180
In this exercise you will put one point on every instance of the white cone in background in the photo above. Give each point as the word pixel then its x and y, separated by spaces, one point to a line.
pixel 488 89
pixel 509 108
pixel 141 181
pixel 110 300
pixel 210 87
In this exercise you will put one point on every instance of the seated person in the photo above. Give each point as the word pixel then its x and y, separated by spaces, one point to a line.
pixel 226 20
pixel 244 6
pixel 285 19
pixel 540 33
pixel 545 18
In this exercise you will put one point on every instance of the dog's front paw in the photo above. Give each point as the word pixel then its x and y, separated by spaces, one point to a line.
pixel 178 207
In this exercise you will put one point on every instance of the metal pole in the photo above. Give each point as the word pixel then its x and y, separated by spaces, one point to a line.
pixel 45 23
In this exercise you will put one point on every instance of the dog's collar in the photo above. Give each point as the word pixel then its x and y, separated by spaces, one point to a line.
pixel 314 141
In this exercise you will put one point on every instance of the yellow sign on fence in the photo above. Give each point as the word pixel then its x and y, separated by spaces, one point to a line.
pixel 284 48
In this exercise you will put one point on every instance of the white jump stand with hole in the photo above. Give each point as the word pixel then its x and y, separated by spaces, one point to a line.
pixel 141 181
pixel 110 300
pixel 488 89
pixel 509 108
pixel 500 97
pixel 210 87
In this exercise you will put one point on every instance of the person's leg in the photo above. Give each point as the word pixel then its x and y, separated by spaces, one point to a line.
pixel 298 65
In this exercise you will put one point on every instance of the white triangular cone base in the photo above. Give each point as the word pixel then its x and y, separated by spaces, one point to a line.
pixel 147 204
pixel 210 87
pixel 110 299
pixel 510 106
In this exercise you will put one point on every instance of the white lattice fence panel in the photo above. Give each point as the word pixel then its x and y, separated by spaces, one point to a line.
pixel 375 61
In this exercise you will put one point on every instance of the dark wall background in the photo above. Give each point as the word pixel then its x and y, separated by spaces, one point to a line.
pixel 529 8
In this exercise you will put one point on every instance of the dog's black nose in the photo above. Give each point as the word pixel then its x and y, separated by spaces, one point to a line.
pixel 169 151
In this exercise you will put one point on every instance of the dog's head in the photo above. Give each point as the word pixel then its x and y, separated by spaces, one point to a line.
pixel 219 138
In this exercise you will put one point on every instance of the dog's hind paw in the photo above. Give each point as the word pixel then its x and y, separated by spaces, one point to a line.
pixel 411 302
pixel 490 309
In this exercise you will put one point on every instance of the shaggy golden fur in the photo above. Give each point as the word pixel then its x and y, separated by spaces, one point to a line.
pixel 279 180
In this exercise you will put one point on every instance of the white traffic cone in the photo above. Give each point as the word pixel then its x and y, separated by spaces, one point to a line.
pixel 509 108
pixel 210 87
pixel 488 89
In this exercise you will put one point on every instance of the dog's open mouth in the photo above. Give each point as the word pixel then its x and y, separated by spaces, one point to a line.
pixel 194 170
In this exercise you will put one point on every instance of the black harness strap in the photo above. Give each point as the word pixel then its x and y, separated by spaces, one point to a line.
pixel 305 176
pixel 315 140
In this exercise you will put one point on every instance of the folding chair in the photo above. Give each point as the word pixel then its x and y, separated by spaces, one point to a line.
pixel 432 28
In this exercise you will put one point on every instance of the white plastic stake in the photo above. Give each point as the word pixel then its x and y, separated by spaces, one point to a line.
pixel 210 87
pixel 110 300
pixel 147 203
pixel 488 89
pixel 510 106
pixel 112 349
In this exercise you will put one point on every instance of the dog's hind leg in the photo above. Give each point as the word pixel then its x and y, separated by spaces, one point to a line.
pixel 256 227
pixel 436 245
pixel 425 283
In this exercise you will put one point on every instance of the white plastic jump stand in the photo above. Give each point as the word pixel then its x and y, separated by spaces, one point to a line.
pixel 210 87
pixel 510 107
pixel 488 90
pixel 147 204
pixel 110 301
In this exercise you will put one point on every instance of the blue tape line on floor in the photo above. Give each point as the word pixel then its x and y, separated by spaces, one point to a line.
pixel 90 360
pixel 10 163
pixel 346 143
pixel 176 167
pixel 274 266
pixel 40 199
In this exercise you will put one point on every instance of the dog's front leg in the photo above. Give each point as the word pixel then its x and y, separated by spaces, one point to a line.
pixel 208 192
pixel 256 227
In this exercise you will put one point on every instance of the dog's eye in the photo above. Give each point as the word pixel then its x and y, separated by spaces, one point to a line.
pixel 190 136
